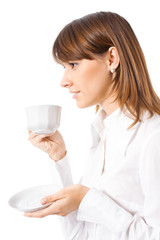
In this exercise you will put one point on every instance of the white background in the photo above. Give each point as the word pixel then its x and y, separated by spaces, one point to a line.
pixel 29 76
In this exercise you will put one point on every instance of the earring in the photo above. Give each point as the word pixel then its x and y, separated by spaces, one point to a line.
pixel 112 70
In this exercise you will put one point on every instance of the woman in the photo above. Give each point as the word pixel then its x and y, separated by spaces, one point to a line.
pixel 119 196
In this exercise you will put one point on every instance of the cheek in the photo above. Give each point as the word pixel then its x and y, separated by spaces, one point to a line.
pixel 97 81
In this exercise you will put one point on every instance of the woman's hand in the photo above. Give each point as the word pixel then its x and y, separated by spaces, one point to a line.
pixel 52 144
pixel 64 201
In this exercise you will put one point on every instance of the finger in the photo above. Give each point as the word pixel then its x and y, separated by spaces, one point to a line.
pixel 29 131
pixel 31 134
pixel 51 134
pixel 38 137
pixel 41 213
pixel 52 198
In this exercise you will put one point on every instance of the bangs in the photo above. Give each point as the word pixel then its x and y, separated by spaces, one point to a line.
pixel 80 39
pixel 71 44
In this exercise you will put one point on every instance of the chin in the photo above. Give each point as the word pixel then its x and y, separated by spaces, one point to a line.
pixel 84 105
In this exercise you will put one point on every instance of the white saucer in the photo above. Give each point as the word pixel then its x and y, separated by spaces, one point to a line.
pixel 28 200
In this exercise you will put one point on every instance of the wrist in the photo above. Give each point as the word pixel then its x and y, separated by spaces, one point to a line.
pixel 57 157
pixel 83 191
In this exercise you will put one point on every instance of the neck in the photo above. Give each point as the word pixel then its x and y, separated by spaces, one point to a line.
pixel 109 106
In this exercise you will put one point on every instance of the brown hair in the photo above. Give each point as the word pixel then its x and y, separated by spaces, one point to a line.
pixel 92 36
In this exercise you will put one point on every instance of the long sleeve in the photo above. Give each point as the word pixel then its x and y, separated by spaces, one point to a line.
pixel 99 208
pixel 64 170
pixel 72 229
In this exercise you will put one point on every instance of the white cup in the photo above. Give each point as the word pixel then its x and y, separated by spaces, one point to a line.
pixel 43 119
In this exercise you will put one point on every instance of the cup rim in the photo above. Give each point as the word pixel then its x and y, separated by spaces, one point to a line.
pixel 43 105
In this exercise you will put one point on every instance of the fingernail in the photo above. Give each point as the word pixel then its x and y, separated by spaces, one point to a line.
pixel 43 201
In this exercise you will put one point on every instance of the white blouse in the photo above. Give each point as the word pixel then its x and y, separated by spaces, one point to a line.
pixel 123 202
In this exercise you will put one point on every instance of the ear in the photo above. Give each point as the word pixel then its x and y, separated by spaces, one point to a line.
pixel 113 58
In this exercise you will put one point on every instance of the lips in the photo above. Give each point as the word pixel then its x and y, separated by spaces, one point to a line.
pixel 75 93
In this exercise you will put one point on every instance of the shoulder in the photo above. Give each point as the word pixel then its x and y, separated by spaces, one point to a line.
pixel 151 120
pixel 149 158
pixel 153 141
pixel 150 126
pixel 148 135
pixel 150 132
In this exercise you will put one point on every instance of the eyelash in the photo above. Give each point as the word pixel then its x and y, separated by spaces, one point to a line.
pixel 72 64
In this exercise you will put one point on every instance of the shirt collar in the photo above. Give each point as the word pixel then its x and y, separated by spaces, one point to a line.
pixel 117 121
pixel 98 123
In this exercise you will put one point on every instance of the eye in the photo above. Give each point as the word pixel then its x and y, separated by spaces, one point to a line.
pixel 73 64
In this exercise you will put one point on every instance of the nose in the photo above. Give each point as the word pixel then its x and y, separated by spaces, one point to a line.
pixel 66 81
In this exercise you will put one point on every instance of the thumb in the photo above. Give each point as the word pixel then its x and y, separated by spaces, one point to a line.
pixel 51 198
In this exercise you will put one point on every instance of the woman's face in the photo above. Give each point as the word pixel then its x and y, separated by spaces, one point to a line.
pixel 88 80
